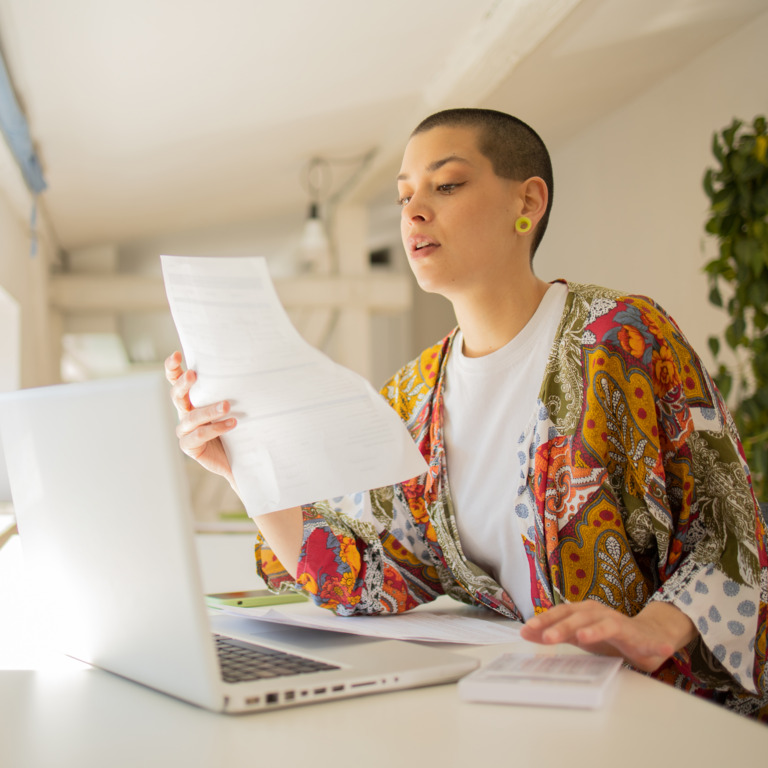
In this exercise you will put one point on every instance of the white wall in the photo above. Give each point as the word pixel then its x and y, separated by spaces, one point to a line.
pixel 25 277
pixel 629 206
pixel 10 342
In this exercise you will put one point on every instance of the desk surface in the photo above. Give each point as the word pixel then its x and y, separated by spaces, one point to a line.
pixel 55 711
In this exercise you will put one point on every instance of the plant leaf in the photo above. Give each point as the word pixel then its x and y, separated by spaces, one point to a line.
pixel 729 134
pixel 717 150
pixel 708 185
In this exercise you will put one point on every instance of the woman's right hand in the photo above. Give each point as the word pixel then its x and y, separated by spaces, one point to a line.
pixel 200 429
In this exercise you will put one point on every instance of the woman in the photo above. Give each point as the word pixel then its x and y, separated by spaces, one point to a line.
pixel 584 473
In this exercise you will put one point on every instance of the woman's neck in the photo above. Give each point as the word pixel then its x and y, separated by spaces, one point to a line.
pixel 492 319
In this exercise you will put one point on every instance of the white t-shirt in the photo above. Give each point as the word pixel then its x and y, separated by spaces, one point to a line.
pixel 489 401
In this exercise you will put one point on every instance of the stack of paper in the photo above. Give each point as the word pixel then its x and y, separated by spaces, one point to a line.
pixel 425 626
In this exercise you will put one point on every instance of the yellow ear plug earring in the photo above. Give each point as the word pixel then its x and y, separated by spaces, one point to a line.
pixel 523 225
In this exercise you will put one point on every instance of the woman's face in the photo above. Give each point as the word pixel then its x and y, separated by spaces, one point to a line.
pixel 458 216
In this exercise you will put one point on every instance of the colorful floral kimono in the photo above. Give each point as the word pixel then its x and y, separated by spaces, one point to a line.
pixel 632 487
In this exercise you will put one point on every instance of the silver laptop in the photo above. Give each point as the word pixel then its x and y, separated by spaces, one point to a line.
pixel 106 530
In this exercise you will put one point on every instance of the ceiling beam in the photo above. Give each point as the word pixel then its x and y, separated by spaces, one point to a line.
pixel 491 50
pixel 476 66
pixel 14 126
pixel 82 294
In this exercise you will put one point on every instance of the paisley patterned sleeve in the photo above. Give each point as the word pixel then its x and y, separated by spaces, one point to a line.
pixel 352 563
pixel 370 552
pixel 676 458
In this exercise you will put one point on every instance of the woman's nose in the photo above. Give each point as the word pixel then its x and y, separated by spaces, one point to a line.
pixel 416 210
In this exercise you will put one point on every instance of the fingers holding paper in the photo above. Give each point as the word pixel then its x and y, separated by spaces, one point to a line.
pixel 199 429
pixel 180 381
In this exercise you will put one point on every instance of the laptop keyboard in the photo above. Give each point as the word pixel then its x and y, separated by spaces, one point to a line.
pixel 241 662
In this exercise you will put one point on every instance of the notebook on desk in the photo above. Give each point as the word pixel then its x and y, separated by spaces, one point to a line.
pixel 105 524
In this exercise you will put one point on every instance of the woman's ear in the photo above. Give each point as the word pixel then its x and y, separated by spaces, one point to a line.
pixel 534 196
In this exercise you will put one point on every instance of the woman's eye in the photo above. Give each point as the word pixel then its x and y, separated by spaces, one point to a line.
pixel 443 189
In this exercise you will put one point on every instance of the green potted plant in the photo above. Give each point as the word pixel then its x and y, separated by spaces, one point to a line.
pixel 738 217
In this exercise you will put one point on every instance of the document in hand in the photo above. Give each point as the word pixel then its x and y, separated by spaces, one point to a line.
pixel 308 429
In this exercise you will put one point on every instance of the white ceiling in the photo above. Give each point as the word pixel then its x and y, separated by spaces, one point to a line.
pixel 154 116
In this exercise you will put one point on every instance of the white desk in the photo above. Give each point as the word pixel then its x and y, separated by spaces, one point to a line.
pixel 57 712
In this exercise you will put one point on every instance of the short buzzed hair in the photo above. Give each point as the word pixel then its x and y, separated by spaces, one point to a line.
pixel 515 150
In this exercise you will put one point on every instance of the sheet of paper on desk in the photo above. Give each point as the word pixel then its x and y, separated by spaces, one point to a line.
pixel 424 626
pixel 308 429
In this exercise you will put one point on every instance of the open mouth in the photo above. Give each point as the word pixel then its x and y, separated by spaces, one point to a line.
pixel 419 245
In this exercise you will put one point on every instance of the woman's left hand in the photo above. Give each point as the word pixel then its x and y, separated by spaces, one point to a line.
pixel 646 640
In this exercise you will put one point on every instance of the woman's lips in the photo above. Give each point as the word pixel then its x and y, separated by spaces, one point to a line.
pixel 420 246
